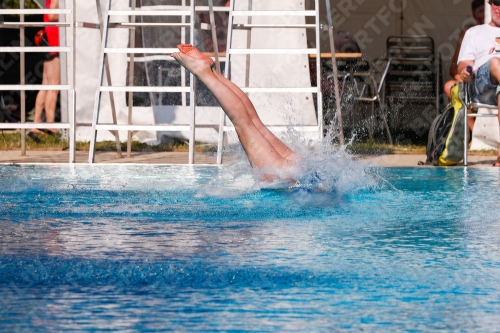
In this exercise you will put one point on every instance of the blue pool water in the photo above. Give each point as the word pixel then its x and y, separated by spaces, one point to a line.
pixel 178 248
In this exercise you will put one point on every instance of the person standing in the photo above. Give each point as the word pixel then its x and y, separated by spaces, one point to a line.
pixel 46 100
pixel 263 149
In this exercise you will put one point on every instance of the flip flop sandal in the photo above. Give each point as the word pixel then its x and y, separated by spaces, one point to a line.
pixel 50 132
pixel 34 137
pixel 56 134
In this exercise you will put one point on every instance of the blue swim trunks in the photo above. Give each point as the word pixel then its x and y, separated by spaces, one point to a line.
pixel 483 90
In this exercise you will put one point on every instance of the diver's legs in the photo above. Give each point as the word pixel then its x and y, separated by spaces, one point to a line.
pixel 280 147
pixel 52 67
pixel 259 150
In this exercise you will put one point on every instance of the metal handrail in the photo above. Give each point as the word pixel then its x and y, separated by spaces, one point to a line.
pixel 132 50
pixel 247 51
pixel 471 104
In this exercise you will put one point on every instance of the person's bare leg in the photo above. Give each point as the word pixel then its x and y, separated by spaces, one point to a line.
pixel 497 162
pixel 495 80
pixel 447 88
pixel 54 78
pixel 259 150
pixel 280 147
pixel 40 103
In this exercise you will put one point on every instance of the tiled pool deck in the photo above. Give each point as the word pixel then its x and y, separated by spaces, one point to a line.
pixel 39 156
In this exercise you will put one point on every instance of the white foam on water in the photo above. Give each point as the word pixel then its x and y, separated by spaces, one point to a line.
pixel 323 167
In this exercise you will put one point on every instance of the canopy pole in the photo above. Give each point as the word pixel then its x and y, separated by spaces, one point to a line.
pixel 487 12
pixel 335 73
pixel 214 34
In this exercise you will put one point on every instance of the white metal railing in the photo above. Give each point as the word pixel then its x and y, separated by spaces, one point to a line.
pixel 106 25
pixel 248 51
pixel 471 104
pixel 69 15
pixel 148 54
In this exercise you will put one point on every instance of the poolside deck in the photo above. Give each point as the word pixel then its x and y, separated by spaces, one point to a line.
pixel 40 156
pixel 51 156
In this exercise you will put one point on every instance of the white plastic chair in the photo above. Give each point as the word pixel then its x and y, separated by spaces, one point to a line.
pixel 472 104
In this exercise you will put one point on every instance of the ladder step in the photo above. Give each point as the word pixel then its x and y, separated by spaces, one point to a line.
pixel 475 105
pixel 145 89
pixel 158 127
pixel 250 26
pixel 139 12
pixel 339 55
pixel 131 24
pixel 272 51
pixel 180 7
pixel 11 25
pixel 141 50
pixel 33 87
pixel 31 125
pixel 141 24
pixel 34 11
pixel 165 57
pixel 281 90
pixel 207 8
pixel 87 25
pixel 475 115
pixel 274 13
pixel 35 49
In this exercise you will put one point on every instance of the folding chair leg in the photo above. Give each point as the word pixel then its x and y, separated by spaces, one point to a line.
pixel 372 122
pixel 384 118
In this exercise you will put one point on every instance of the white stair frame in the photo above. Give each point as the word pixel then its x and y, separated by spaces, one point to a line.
pixel 229 51
pixel 103 55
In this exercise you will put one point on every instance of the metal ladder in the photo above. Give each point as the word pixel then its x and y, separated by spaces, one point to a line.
pixel 69 14
pixel 130 88
pixel 230 51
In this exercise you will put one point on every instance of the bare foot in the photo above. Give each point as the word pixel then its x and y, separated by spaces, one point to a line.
pixel 192 51
pixel 195 66
pixel 290 156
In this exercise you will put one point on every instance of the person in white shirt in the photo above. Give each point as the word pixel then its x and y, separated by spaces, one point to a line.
pixel 478 51
pixel 477 7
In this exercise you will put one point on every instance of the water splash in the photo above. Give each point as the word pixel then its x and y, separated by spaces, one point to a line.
pixel 324 167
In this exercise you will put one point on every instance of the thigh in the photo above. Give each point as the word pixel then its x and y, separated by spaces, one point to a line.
pixel 52 71
pixel 482 89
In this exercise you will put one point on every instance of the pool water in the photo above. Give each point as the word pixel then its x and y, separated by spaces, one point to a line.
pixel 178 248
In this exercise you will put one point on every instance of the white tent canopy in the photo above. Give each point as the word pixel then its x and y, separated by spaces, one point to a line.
pixel 371 22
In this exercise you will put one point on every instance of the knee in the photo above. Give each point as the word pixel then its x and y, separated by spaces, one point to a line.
pixel 449 84
pixel 243 122
pixel 53 93
pixel 494 65
pixel 447 87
